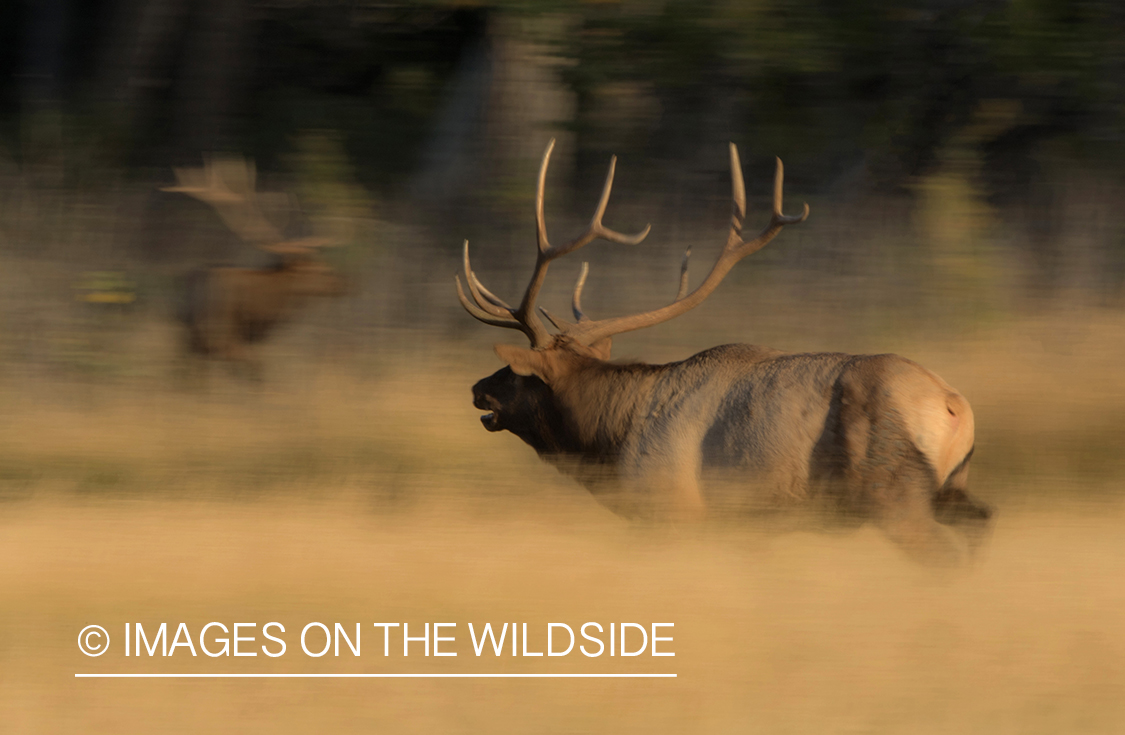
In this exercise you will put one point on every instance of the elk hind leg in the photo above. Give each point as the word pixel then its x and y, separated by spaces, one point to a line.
pixel 901 490
pixel 913 528
pixel 953 506
pixel 897 486
pixel 888 480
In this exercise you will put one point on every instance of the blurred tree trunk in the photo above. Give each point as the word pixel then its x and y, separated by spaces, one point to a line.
pixel 42 68
pixel 44 49
pixel 505 102
pixel 528 101
pixel 1043 225
pixel 199 47
pixel 138 59
pixel 455 151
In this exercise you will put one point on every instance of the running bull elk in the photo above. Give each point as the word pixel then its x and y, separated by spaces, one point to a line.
pixel 227 309
pixel 733 429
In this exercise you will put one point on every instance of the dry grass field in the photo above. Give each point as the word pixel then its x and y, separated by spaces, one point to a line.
pixel 336 494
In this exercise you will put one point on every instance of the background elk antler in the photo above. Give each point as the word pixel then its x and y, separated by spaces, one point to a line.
pixel 229 186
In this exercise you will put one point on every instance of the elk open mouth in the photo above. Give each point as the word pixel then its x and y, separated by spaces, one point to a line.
pixel 490 420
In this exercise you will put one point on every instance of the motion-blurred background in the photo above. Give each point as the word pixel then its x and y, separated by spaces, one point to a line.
pixel 963 162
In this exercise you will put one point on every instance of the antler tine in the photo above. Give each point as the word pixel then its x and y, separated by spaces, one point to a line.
pixel 778 182
pixel 596 229
pixel 479 314
pixel 488 294
pixel 576 300
pixel 483 302
pixel 736 249
pixel 777 219
pixel 737 193
pixel 546 253
pixel 202 184
pixel 314 242
pixel 540 188
pixel 490 309
pixel 556 323
pixel 684 275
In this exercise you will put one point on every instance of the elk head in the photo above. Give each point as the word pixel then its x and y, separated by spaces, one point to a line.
pixel 518 395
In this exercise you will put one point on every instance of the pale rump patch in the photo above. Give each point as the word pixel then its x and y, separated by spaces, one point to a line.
pixel 939 418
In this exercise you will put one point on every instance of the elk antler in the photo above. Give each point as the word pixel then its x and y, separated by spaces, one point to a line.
pixel 587 331
pixel 490 309
pixel 228 185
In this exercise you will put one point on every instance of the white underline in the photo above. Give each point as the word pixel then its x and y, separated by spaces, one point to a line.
pixel 375 676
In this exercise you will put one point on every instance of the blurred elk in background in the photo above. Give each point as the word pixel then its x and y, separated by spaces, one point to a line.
pixel 227 309
pixel 736 428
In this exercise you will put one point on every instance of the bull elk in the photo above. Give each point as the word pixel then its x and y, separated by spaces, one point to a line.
pixel 227 309
pixel 737 428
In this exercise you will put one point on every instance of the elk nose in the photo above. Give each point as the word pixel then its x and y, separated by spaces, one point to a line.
pixel 480 397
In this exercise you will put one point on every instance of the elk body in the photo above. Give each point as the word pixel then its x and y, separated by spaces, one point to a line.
pixel 735 429
pixel 227 309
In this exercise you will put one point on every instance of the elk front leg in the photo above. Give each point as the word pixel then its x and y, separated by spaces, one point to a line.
pixel 669 486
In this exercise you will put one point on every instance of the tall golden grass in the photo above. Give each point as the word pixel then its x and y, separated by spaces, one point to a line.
pixel 798 633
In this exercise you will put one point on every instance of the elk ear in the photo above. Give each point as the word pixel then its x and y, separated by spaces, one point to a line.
pixel 522 361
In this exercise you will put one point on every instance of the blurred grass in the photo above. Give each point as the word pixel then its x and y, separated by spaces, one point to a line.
pixel 1047 395
pixel 798 633
pixel 338 429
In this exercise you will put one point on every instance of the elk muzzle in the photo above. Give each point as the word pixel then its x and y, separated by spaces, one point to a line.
pixel 485 402
pixel 489 420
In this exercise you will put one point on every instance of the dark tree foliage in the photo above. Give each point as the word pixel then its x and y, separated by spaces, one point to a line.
pixel 833 86
pixel 886 85
pixel 372 73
